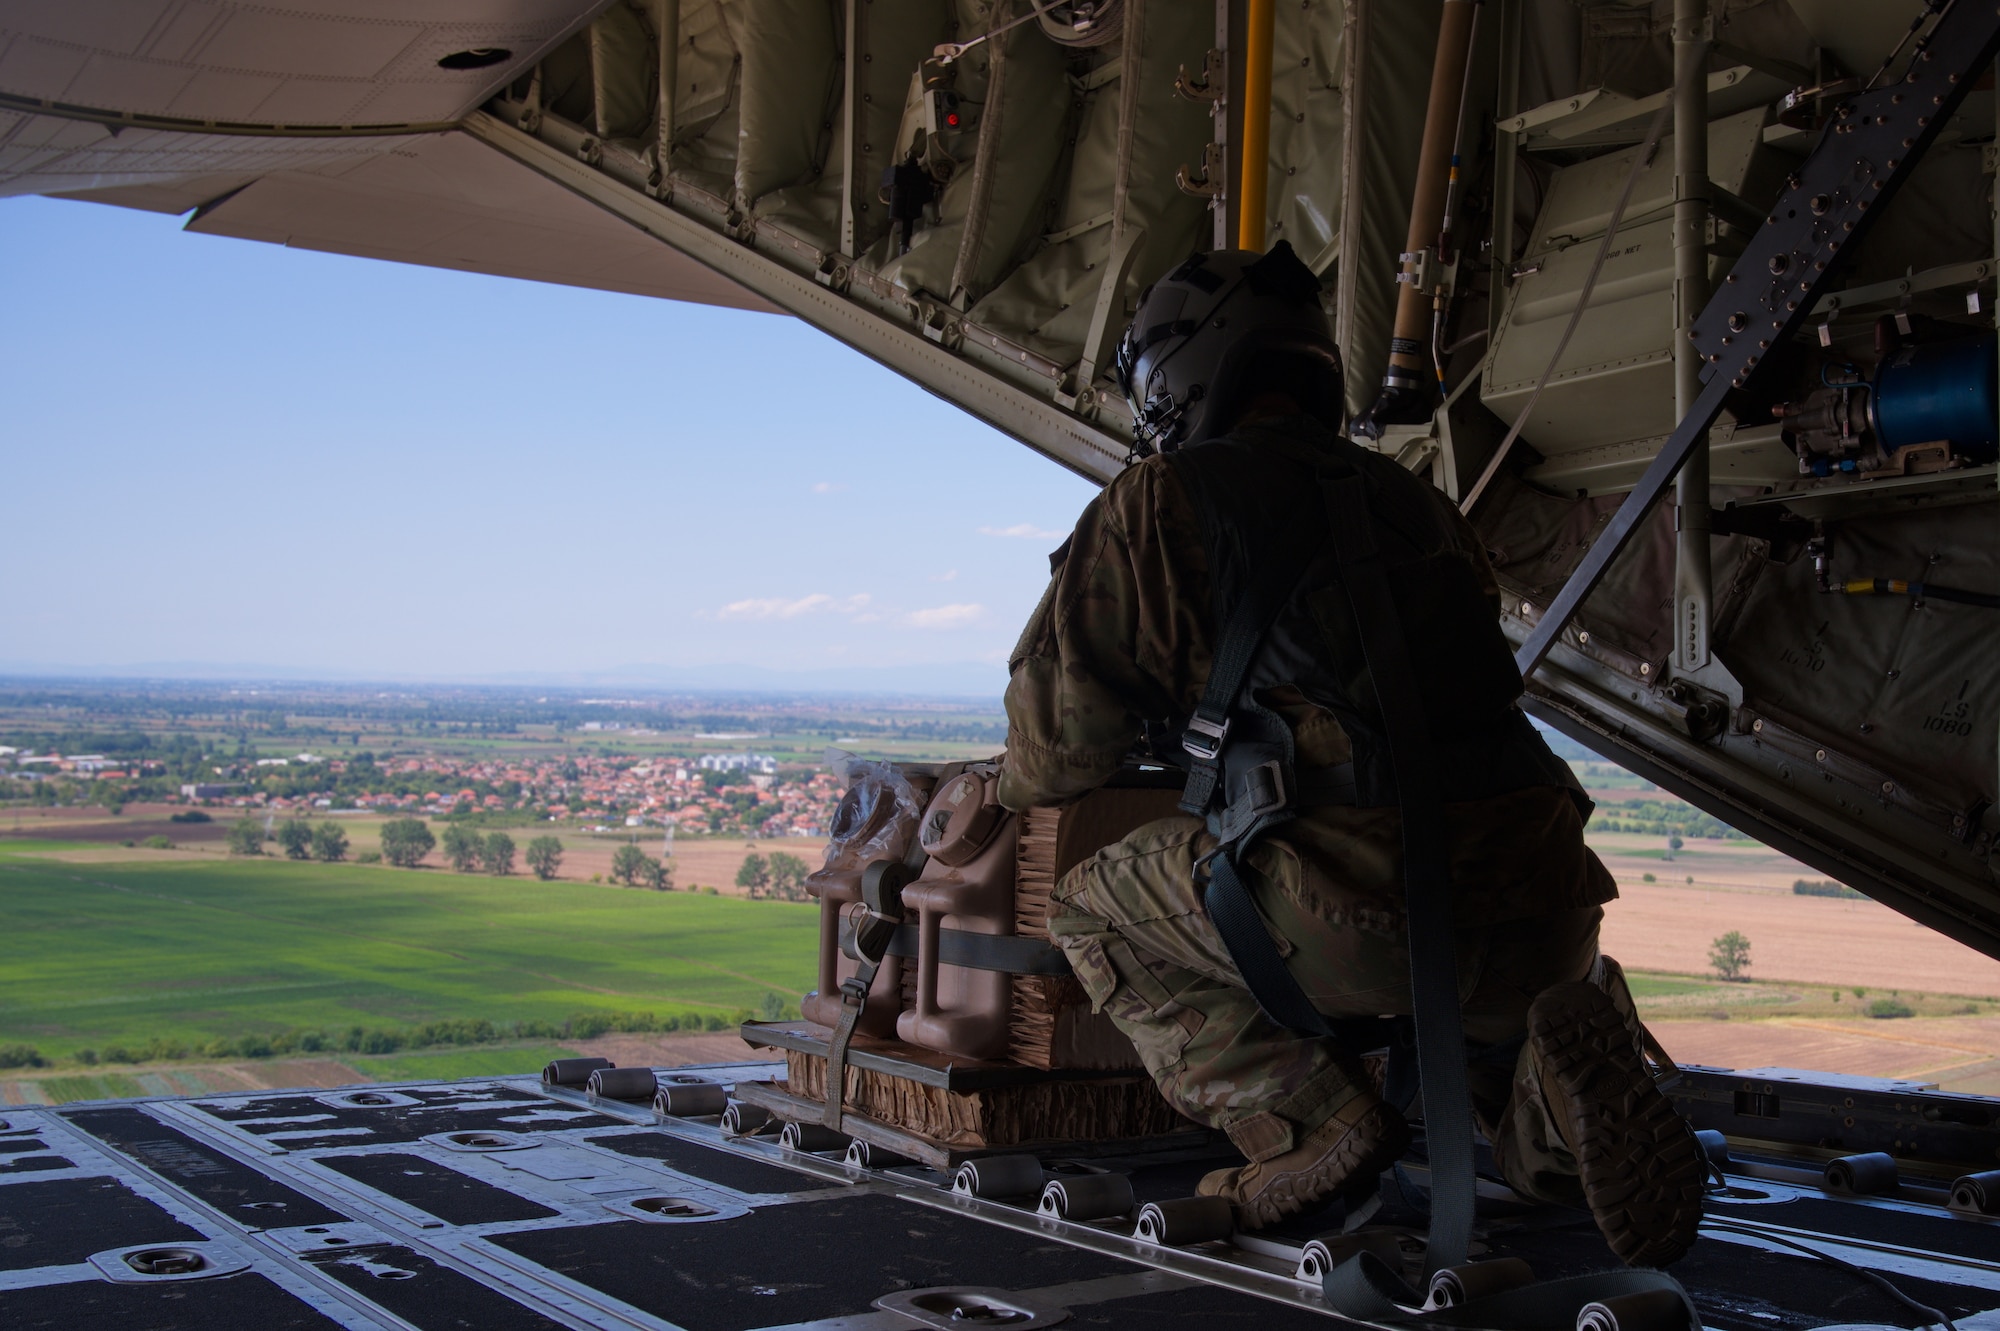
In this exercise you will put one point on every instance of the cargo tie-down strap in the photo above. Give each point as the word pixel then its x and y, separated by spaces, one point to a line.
pixel 882 893
pixel 1426 870
pixel 1365 1288
pixel 1010 954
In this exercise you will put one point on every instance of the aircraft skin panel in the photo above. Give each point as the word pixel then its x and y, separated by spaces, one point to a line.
pixel 45 154
pixel 447 202
pixel 276 62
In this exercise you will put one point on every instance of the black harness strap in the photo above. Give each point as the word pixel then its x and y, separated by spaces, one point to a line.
pixel 1256 956
pixel 1235 651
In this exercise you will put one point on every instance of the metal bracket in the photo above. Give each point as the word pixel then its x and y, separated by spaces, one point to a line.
pixel 1208 182
pixel 1429 274
pixel 1870 148
pixel 833 272
pixel 937 324
pixel 1207 88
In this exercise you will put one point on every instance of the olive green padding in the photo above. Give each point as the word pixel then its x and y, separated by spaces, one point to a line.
pixel 894 36
pixel 624 59
pixel 1308 130
pixel 1051 297
pixel 891 38
pixel 1033 105
pixel 791 94
pixel 706 94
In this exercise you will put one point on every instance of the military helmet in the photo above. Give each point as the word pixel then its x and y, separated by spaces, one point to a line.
pixel 1216 331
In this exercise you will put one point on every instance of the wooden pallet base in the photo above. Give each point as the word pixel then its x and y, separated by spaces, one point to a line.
pixel 1052 1110
pixel 779 1099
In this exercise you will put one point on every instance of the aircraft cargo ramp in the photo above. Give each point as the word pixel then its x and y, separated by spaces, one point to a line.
pixel 504 1204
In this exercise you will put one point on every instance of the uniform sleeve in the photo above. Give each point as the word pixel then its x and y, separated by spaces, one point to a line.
pixel 1466 537
pixel 1120 636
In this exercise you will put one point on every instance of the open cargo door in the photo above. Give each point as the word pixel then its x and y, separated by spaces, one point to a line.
pixel 974 192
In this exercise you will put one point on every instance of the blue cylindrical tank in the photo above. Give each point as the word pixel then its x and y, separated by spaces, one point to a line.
pixel 1940 390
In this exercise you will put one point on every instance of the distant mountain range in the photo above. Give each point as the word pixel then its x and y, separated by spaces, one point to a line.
pixel 957 679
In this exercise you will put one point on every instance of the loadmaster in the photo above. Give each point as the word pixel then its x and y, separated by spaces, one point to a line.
pixel 1312 632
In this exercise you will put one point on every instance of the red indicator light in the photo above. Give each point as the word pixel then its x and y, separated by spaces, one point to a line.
pixel 952 120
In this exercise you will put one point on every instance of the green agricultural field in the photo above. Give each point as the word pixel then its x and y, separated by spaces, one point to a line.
pixel 509 1060
pixel 1645 986
pixel 96 955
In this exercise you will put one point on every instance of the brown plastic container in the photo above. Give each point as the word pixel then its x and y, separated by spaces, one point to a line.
pixel 870 823
pixel 968 885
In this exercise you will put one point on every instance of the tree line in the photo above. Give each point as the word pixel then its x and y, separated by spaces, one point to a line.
pixel 299 840
pixel 405 843
pixel 780 876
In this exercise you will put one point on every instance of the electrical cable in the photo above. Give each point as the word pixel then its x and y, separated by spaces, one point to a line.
pixel 1881 1282
pixel 948 52
pixel 1640 161
pixel 1916 591
pixel 1935 9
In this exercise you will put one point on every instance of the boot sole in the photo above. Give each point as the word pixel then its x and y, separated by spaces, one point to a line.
pixel 1369 1147
pixel 1643 1172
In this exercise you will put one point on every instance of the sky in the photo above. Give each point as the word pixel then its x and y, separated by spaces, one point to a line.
pixel 221 456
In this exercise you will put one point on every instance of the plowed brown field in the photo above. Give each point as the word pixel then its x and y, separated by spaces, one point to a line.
pixel 1668 925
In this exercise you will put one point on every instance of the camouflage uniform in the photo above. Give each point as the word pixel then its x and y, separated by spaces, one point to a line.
pixel 1125 632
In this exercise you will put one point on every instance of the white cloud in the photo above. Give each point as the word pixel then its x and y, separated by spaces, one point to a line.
pixel 949 575
pixel 945 616
pixel 827 487
pixel 1025 531
pixel 777 607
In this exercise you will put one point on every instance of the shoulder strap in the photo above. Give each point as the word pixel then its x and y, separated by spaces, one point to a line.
pixel 1238 635
pixel 1208 726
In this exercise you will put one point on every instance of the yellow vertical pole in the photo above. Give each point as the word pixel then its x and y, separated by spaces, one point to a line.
pixel 1253 183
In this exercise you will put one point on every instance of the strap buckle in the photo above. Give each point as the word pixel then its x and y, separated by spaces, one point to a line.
pixel 1204 738
pixel 854 991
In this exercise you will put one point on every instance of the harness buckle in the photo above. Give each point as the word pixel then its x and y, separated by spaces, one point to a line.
pixel 1265 786
pixel 1203 738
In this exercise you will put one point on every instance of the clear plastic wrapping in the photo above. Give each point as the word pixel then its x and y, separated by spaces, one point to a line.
pixel 874 820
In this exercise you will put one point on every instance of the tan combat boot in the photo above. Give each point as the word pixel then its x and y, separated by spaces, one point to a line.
pixel 1642 1171
pixel 1347 1150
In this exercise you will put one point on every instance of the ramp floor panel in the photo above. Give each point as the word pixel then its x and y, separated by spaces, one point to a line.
pixel 206 1172
pixel 415 1287
pixel 1847 1218
pixel 248 1302
pixel 306 1121
pixel 363 1215
pixel 437 1189
pixel 707 1162
pixel 34 1164
pixel 60 1222
pixel 833 1259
